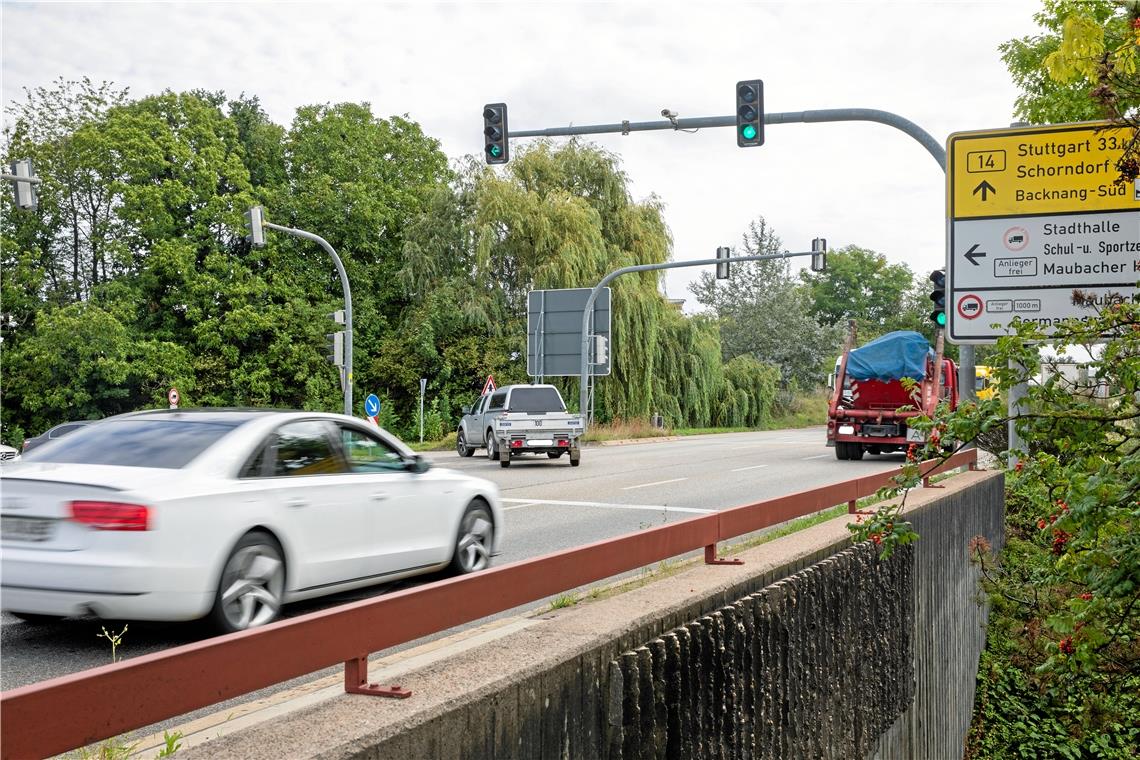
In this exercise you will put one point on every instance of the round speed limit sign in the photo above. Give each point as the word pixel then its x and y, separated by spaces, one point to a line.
pixel 173 397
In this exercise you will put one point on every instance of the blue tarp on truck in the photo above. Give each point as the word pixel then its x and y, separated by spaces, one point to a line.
pixel 895 355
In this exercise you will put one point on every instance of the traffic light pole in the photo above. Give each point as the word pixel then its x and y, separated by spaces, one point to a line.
pixel 924 138
pixel 347 303
pixel 790 117
pixel 588 311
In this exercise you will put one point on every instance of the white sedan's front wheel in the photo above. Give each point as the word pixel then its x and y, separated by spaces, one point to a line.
pixel 474 541
pixel 252 585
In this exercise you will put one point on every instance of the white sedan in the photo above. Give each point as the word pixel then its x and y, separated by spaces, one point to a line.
pixel 183 514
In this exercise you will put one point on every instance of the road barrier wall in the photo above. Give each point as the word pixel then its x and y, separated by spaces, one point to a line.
pixel 811 648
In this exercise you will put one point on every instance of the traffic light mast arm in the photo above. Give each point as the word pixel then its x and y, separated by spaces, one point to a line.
pixel 588 311
pixel 790 117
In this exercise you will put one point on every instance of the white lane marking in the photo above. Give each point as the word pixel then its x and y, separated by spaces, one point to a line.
pixel 525 503
pixel 654 483
pixel 817 456
pixel 607 505
pixel 753 467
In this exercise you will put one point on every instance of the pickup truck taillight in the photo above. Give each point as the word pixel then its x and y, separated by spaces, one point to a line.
pixel 111 515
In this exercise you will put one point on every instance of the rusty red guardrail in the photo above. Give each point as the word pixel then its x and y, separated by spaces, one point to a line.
pixel 71 711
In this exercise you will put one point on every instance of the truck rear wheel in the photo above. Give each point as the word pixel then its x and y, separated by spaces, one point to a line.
pixel 841 451
pixel 856 450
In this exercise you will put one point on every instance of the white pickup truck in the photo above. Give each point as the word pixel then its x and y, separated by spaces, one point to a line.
pixel 520 419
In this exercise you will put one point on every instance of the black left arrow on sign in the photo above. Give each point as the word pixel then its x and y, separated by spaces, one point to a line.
pixel 974 254
pixel 983 188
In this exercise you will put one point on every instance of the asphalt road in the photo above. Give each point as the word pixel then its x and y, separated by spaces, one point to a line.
pixel 550 506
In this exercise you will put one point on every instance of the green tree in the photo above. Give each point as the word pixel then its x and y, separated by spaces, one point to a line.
pixel 82 362
pixel 69 241
pixel 763 312
pixel 1082 68
pixel 859 284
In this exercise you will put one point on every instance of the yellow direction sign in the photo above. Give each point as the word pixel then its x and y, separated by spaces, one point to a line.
pixel 1037 170
pixel 1034 213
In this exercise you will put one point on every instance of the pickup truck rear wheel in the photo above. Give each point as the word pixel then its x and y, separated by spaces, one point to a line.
pixel 461 445
pixel 492 446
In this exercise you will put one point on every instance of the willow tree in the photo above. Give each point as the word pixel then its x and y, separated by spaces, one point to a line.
pixel 556 218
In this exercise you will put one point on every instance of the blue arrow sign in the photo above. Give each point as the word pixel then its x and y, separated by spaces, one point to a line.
pixel 372 405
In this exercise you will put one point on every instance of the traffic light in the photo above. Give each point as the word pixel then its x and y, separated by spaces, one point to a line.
pixel 24 192
pixel 334 346
pixel 750 113
pixel 254 223
pixel 601 349
pixel 722 264
pixel 819 254
pixel 938 296
pixel 495 133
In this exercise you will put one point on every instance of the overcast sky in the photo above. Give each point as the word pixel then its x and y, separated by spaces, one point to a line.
pixel 935 63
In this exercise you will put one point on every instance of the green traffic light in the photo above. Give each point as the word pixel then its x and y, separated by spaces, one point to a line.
pixel 940 318
pixel 748 131
pixel 495 151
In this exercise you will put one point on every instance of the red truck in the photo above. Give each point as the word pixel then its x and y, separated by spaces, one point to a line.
pixel 864 415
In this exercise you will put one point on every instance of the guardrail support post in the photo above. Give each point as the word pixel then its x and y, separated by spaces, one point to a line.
pixel 356 681
pixel 852 507
pixel 712 559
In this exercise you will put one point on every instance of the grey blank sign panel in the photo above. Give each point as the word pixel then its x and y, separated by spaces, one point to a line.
pixel 554 331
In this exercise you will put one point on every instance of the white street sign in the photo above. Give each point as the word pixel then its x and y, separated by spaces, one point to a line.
pixel 1035 213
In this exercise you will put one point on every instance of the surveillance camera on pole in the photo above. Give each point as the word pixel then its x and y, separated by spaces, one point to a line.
pixel 819 255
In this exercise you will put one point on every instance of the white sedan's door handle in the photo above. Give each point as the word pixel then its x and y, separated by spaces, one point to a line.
pixel 296 503
pixel 379 496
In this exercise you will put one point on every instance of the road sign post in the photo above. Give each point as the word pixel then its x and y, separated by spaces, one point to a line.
pixel 1034 213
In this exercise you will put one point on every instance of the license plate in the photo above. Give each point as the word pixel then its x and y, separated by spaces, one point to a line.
pixel 915 436
pixel 25 528
pixel 542 442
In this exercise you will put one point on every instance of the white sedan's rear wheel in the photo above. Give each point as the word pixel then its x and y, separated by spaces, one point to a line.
pixel 252 585
pixel 474 541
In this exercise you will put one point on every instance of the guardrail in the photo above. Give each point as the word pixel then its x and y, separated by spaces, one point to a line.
pixel 72 711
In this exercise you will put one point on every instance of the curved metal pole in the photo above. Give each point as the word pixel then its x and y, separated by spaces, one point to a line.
pixel 347 304
pixel 588 311
pixel 821 115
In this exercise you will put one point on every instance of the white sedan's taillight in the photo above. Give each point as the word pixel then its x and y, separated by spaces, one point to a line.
pixel 111 515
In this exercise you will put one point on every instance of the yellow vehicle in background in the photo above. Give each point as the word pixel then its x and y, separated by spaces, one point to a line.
pixel 985 382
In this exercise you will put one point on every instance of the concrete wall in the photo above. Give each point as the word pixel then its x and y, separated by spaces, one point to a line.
pixel 812 648
pixel 817 665
pixel 950 622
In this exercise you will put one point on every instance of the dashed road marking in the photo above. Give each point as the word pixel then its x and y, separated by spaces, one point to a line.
pixel 607 505
pixel 817 456
pixel 654 483
pixel 753 467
